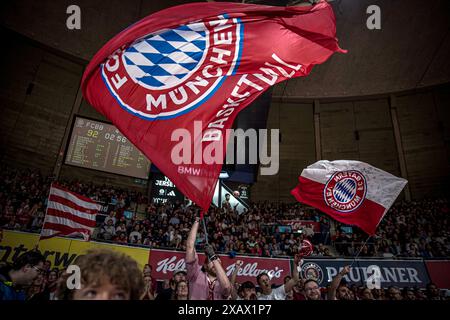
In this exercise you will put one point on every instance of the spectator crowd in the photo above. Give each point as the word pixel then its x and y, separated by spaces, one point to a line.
pixel 409 229
pixel 110 275
pixel 417 229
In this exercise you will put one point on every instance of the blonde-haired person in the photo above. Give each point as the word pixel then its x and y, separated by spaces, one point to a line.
pixel 105 275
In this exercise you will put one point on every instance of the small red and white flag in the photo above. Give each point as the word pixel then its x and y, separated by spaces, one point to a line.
pixel 69 214
pixel 351 192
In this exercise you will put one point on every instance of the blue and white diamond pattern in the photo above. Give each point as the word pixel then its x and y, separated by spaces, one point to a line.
pixel 344 191
pixel 164 60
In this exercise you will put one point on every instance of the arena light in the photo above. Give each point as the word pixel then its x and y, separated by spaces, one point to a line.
pixel 224 175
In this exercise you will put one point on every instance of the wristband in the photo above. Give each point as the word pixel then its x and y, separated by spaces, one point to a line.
pixel 213 257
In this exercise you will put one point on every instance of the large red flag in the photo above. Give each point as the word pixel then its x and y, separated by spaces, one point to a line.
pixel 194 67
pixel 351 192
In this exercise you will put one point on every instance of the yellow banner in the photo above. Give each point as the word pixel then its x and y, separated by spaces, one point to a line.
pixel 60 251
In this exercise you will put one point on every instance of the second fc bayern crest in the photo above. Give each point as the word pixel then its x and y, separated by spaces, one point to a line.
pixel 173 71
pixel 345 191
pixel 311 270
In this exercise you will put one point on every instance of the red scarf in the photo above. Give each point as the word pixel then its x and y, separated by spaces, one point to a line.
pixel 211 286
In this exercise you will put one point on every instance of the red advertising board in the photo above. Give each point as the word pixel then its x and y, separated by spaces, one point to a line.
pixel 164 263
pixel 439 271
pixel 298 224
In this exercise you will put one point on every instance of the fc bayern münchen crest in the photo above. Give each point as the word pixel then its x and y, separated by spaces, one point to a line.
pixel 311 270
pixel 345 191
pixel 173 71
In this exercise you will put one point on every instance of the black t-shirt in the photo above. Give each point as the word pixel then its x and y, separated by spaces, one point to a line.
pixel 165 294
pixel 5 268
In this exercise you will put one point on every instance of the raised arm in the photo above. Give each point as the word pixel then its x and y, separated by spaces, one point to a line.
pixel 237 267
pixel 220 272
pixel 190 243
pixel 294 279
pixel 336 281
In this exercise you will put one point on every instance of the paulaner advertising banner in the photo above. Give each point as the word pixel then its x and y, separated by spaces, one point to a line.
pixel 401 273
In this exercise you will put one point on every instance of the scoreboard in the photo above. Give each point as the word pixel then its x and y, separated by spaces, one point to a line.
pixel 101 146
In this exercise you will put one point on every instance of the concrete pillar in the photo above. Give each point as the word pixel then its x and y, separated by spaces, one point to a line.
pixel 62 149
pixel 317 138
pixel 398 143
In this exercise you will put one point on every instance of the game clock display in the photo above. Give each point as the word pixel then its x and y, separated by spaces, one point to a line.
pixel 101 146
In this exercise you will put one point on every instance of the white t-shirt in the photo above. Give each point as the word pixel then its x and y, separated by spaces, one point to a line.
pixel 135 234
pixel 276 294
pixel 113 219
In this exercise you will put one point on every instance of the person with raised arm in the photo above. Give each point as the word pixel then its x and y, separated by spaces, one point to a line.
pixel 247 290
pixel 267 293
pixel 338 289
pixel 207 282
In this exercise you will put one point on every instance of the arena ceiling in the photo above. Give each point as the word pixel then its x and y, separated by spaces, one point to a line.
pixel 411 50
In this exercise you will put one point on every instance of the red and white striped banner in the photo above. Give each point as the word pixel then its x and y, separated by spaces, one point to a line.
pixel 69 214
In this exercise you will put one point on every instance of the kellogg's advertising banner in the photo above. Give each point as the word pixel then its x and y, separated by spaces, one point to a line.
pixel 164 263
pixel 401 273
